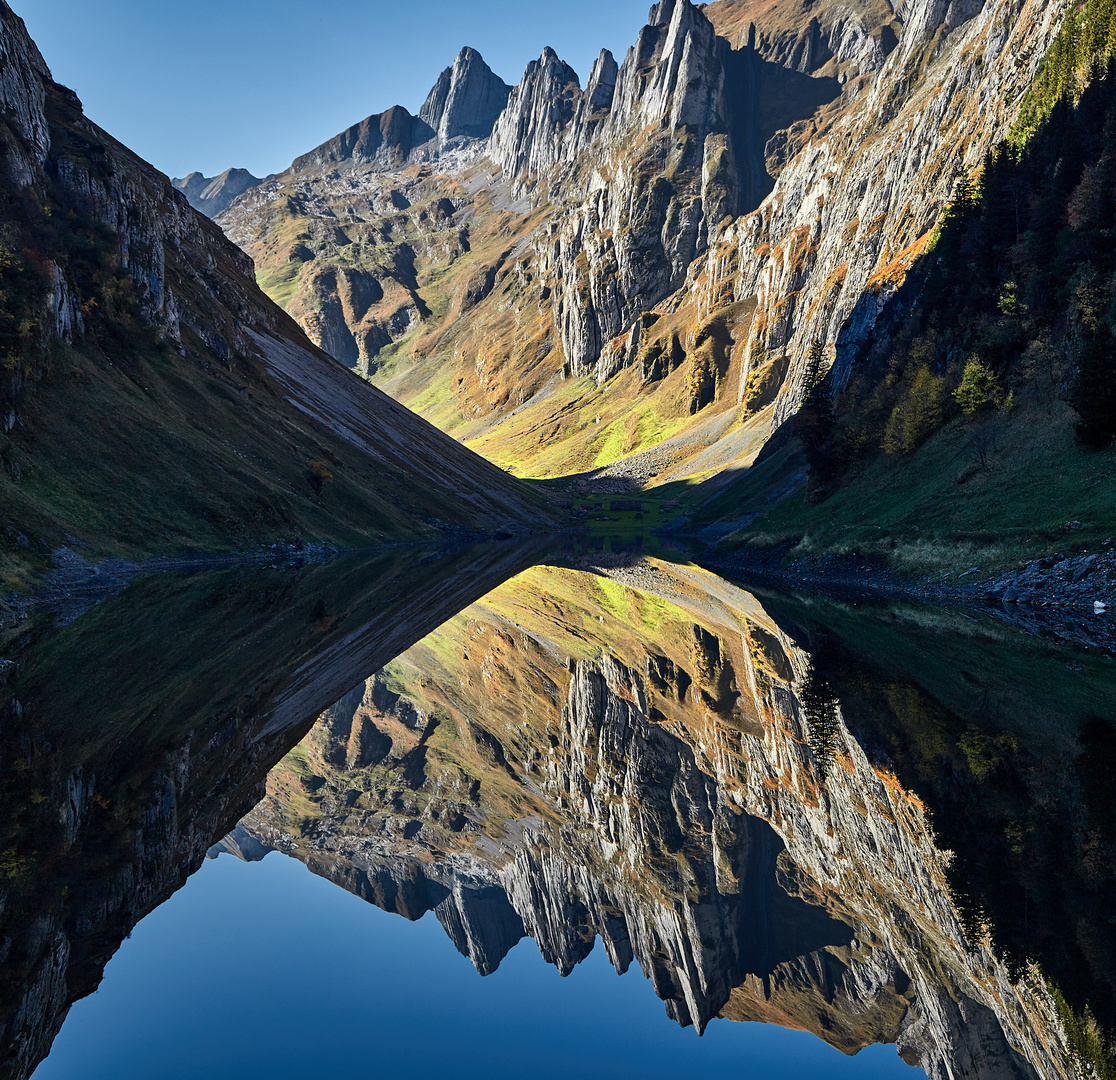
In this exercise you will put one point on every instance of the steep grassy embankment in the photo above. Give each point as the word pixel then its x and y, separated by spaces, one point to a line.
pixel 152 399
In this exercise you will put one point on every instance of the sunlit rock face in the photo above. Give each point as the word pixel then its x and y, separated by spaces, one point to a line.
pixel 646 758
pixel 761 172
pixel 466 99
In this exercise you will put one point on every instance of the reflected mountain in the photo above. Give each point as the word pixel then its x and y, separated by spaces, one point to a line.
pixel 139 734
pixel 646 754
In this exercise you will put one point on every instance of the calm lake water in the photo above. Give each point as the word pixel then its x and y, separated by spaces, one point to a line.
pixel 264 970
pixel 835 839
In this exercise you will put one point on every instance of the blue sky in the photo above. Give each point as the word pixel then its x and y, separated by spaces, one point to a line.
pixel 265 972
pixel 254 83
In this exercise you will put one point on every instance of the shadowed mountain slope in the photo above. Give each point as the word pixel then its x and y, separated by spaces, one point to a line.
pixel 152 399
pixel 136 736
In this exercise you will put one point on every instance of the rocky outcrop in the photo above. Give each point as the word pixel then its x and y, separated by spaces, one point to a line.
pixel 466 99
pixel 23 80
pixel 644 214
pixel 383 141
pixel 853 35
pixel 683 798
pixel 214 195
pixel 674 74
pixel 527 137
pixel 848 210
pixel 843 206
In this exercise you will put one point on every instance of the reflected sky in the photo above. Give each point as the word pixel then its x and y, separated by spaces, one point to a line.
pixel 854 823
pixel 265 970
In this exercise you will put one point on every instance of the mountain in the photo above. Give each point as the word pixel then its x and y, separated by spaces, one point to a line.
pixel 640 753
pixel 153 400
pixel 972 426
pixel 214 194
pixel 466 99
pixel 626 277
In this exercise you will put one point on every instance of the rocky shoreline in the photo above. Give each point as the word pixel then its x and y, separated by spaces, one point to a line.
pixel 1068 597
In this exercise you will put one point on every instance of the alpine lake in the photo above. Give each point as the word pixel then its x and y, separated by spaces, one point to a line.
pixel 300 819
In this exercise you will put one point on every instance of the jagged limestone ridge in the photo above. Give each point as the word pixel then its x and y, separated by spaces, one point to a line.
pixel 466 100
pixel 659 817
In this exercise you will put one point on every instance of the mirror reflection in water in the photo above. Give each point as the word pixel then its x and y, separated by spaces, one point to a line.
pixel 870 824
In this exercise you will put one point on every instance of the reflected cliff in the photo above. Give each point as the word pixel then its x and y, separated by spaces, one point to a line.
pixel 732 793
pixel 873 824
pixel 136 736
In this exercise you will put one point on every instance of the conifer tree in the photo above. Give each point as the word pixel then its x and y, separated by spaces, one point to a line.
pixel 814 423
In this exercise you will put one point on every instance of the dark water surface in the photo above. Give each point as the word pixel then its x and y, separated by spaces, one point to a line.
pixel 839 840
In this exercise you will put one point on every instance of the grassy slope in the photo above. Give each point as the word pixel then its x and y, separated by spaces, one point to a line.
pixel 131 447
pixel 937 512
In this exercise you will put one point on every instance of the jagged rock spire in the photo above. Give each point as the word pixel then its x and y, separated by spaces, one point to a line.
pixel 674 70
pixel 601 87
pixel 466 99
pixel 526 137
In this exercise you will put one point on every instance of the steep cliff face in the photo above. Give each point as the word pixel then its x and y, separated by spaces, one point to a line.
pixel 24 78
pixel 527 136
pixel 646 207
pixel 136 338
pixel 645 760
pixel 754 178
pixel 850 210
pixel 466 99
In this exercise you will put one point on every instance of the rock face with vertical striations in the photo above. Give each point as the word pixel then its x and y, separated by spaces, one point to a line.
pixel 466 99
pixel 544 768
pixel 528 135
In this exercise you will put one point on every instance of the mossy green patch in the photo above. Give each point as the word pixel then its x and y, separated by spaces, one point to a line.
pixel 939 512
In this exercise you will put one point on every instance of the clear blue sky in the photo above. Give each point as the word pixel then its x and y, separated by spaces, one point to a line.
pixel 254 83
pixel 265 972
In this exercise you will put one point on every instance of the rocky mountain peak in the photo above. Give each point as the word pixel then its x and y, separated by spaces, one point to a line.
pixel 466 99
pixel 674 70
pixel 526 138
pixel 213 195
pixel 601 87
pixel 383 139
